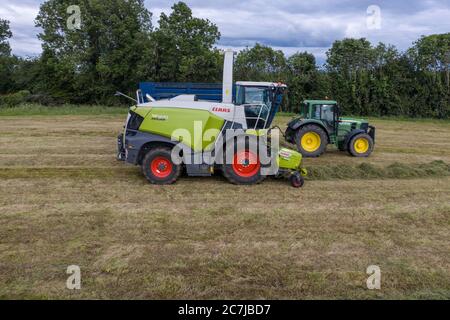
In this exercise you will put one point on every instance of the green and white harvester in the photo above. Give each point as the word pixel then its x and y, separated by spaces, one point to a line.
pixel 168 136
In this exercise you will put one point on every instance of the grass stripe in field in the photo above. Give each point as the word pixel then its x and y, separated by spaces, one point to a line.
pixel 39 110
pixel 51 172
pixel 334 172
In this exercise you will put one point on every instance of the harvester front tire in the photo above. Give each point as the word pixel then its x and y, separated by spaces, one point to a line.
pixel 361 145
pixel 311 141
pixel 158 167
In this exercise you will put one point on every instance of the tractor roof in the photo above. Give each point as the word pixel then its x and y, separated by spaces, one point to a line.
pixel 320 101
pixel 260 84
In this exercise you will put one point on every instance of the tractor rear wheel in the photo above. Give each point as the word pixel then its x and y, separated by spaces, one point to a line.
pixel 311 141
pixel 245 166
pixel 361 145
pixel 158 167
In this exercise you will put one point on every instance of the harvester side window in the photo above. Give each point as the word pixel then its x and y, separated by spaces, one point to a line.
pixel 256 116
pixel 257 103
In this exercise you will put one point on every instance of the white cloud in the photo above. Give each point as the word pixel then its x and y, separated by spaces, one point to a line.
pixel 21 17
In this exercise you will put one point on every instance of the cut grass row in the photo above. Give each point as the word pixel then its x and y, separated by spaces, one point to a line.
pixel 334 172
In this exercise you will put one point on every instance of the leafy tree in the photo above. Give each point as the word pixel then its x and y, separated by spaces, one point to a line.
pixel 304 79
pixel 261 63
pixel 6 68
pixel 430 56
pixel 5 34
pixel 106 54
pixel 349 62
pixel 183 47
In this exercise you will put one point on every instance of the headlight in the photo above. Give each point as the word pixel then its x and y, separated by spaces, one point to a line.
pixel 134 121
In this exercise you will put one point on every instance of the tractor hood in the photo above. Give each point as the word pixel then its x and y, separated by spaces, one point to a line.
pixel 353 120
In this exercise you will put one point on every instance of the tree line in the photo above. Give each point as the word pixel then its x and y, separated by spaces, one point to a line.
pixel 116 46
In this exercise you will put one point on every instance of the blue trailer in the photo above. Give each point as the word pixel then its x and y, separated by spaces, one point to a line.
pixel 168 90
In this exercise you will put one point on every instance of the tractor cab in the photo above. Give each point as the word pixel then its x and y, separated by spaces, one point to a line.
pixel 261 101
pixel 326 111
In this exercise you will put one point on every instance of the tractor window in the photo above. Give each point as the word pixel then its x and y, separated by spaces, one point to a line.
pixel 304 110
pixel 328 113
pixel 316 111
pixel 328 116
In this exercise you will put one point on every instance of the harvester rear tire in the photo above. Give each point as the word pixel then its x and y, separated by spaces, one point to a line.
pixel 238 173
pixel 317 136
pixel 158 167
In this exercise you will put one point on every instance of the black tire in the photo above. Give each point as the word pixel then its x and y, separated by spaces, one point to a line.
pixel 297 181
pixel 311 128
pixel 167 172
pixel 232 175
pixel 363 150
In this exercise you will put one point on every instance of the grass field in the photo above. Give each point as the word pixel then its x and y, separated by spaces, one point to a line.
pixel 65 200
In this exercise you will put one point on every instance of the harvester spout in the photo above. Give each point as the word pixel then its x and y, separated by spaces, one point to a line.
pixel 227 91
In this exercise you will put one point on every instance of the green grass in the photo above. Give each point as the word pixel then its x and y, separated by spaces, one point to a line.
pixel 65 199
pixel 39 110
pixel 68 109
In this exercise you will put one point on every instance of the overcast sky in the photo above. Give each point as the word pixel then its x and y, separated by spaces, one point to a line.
pixel 289 25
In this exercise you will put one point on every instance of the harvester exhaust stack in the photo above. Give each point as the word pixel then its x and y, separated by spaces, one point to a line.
pixel 227 91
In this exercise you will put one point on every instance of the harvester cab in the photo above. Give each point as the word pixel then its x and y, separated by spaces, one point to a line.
pixel 261 101
pixel 169 135
pixel 320 123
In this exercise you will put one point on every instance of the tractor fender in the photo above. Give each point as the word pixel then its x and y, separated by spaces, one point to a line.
pixel 350 135
pixel 296 124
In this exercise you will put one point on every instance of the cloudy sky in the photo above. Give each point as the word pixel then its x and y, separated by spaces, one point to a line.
pixel 289 25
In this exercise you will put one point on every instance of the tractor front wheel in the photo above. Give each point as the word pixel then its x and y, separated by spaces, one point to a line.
pixel 158 167
pixel 361 145
pixel 311 141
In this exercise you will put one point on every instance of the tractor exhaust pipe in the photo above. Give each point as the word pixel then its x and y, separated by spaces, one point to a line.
pixel 227 89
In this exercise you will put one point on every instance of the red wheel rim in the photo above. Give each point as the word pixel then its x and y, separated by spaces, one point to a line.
pixel 161 167
pixel 246 164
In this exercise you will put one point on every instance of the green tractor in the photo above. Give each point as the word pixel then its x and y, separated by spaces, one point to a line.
pixel 320 124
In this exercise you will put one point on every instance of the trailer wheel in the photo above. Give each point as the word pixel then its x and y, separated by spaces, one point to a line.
pixel 245 166
pixel 361 145
pixel 311 141
pixel 159 168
